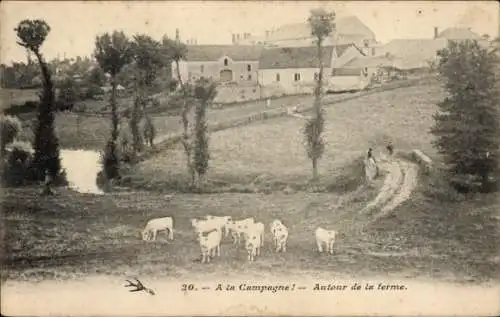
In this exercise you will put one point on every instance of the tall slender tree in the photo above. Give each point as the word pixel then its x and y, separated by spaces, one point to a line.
pixel 178 51
pixel 46 160
pixel 322 24
pixel 112 52
pixel 205 92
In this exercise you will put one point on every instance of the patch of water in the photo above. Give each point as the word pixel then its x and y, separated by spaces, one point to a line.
pixel 81 168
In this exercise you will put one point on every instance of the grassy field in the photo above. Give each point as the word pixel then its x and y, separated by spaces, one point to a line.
pixel 17 96
pixel 72 235
pixel 272 151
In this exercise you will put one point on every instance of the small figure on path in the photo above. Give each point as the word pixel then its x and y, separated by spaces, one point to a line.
pixel 370 155
pixel 390 148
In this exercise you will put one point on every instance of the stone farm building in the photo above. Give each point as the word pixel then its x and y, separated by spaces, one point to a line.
pixel 295 69
pixel 237 64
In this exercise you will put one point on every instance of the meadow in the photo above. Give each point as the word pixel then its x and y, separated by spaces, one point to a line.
pixel 433 234
pixel 272 151
pixel 70 236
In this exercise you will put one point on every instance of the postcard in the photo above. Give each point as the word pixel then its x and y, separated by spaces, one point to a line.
pixel 250 158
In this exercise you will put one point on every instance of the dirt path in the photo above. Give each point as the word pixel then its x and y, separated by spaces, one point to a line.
pixel 401 180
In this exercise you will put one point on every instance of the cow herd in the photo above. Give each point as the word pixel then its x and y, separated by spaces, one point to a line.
pixel 212 229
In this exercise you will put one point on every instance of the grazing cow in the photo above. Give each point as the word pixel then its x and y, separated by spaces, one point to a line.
pixel 253 243
pixel 158 224
pixel 238 228
pixel 325 237
pixel 210 244
pixel 280 235
pixel 222 220
pixel 257 228
pixel 201 226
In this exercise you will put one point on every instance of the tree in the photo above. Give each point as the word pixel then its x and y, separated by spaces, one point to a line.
pixel 205 92
pixel 467 127
pixel 112 52
pixel 148 60
pixel 46 160
pixel 322 25
pixel 178 51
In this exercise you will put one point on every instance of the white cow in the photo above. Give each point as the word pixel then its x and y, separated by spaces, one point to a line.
pixel 252 244
pixel 255 228
pixel 158 224
pixel 210 244
pixel 222 220
pixel 238 228
pixel 325 237
pixel 280 235
pixel 201 226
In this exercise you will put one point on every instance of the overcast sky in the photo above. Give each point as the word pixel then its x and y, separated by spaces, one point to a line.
pixel 75 24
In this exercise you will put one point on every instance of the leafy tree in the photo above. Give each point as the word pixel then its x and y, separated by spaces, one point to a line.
pixel 148 60
pixel 322 25
pixel 68 93
pixel 112 52
pixel 467 127
pixel 205 92
pixel 46 160
pixel 96 77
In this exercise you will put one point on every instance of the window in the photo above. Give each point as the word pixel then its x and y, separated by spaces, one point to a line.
pixel 366 43
pixel 249 67
pixel 225 61
pixel 241 77
pixel 296 77
pixel 249 77
pixel 278 77
pixel 202 68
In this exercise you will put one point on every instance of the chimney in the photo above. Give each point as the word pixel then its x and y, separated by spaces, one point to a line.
pixel 234 39
pixel 267 33
pixel 435 32
pixel 177 37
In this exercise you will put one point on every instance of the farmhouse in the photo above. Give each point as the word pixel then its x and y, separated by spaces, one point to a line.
pixel 349 29
pixel 295 69
pixel 236 64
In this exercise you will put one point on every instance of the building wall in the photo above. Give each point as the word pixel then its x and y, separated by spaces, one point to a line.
pixel 287 80
pixel 191 70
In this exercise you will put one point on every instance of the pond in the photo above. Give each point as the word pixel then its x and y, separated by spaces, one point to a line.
pixel 81 168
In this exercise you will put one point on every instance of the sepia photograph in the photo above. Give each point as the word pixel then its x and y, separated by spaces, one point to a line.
pixel 250 158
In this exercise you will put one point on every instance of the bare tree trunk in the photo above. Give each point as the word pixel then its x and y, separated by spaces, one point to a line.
pixel 114 111
pixel 315 168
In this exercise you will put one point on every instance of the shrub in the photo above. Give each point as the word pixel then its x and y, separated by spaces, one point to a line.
pixel 110 160
pixel 10 128
pixel 16 167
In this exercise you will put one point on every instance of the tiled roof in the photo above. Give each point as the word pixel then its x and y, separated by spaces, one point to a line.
pixel 214 52
pixel 415 53
pixel 458 34
pixel 294 57
pixel 348 25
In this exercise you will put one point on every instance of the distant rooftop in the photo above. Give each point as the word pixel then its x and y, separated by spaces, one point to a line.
pixel 214 52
